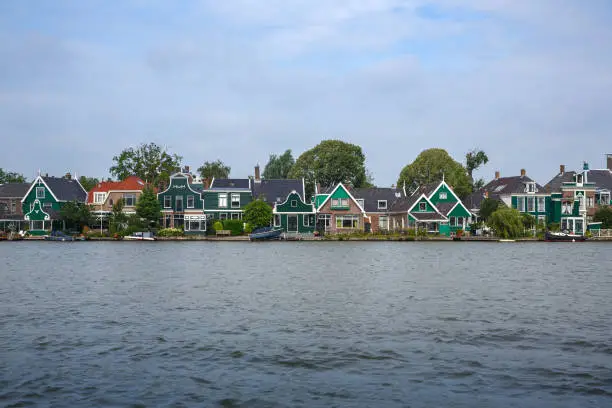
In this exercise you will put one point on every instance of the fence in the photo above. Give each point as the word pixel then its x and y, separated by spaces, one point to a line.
pixel 603 233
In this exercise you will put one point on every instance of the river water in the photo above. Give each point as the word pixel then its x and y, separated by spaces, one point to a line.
pixel 306 324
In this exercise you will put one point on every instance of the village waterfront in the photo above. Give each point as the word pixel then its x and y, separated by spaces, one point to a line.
pixel 312 324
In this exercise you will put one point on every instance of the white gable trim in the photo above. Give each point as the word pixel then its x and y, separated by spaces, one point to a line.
pixel 464 207
pixel 39 178
pixel 347 191
pixel 449 189
pixel 176 175
pixel 287 199
pixel 430 203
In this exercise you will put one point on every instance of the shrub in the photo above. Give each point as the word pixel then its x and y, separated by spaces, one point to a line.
pixel 247 228
pixel 604 215
pixel 258 213
pixel 217 226
pixel 235 226
pixel 170 232
pixel 507 223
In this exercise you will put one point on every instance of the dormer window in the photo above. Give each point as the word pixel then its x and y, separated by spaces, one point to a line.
pixel 530 188
pixel 361 202
pixel 579 179
pixel 382 204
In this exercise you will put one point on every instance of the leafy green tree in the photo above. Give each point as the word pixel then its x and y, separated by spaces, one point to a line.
pixel 149 162
pixel 278 167
pixel 76 215
pixel 430 166
pixel 147 207
pixel 331 162
pixel 604 215
pixel 473 160
pixel 487 207
pixel 88 182
pixel 118 219
pixel 257 214
pixel 216 169
pixel 507 223
pixel 11 177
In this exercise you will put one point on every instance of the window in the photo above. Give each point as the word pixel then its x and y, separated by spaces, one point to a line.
pixel 453 221
pixel 382 204
pixel 542 219
pixel 235 201
pixel 325 219
pixel 190 201
pixel 541 204
pixel 567 207
pixel 530 204
pixel 99 198
pixel 223 216
pixel 422 206
pixel 590 202
pixel 520 204
pixel 13 207
pixel 340 202
pixel 277 220
pixel 443 195
pixel 179 203
pixel 236 216
pixel 222 200
pixel 347 221
pixel 40 192
pixel 383 222
pixel 460 222
pixel 37 225
pixel 361 202
pixel 309 220
pixel 167 202
pixel 47 206
pixel 604 199
pixel 195 223
pixel 294 203
pixel 130 200
pixel 531 188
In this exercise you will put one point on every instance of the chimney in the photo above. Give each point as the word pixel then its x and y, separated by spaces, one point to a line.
pixel 497 175
pixel 68 176
pixel 562 169
pixel 610 162
pixel 257 174
pixel 523 172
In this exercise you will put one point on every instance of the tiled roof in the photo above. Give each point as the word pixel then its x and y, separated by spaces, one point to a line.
pixel 445 208
pixel 554 185
pixel 475 199
pixel 403 204
pixel 276 190
pixel 371 196
pixel 131 183
pixel 66 189
pixel 427 216
pixel 229 184
pixel 14 190
pixel 601 178
pixel 510 185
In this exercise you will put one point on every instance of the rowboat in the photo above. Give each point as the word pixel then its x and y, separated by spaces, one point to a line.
pixel 59 236
pixel 140 236
pixel 265 233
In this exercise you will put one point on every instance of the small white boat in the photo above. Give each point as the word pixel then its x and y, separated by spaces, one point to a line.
pixel 140 236
pixel 507 240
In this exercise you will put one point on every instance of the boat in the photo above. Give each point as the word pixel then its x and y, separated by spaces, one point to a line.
pixel 563 237
pixel 507 240
pixel 265 233
pixel 59 236
pixel 140 236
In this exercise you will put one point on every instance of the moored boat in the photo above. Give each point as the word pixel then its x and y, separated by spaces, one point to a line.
pixel 59 236
pixel 265 233
pixel 140 236
pixel 563 237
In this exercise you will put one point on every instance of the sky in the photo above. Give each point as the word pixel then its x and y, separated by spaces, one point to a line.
pixel 527 81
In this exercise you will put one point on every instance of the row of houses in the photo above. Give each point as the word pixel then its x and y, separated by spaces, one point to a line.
pixel 570 199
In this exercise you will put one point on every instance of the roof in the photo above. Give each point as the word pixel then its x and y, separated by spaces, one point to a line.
pixel 131 183
pixel 475 199
pixel 276 190
pixel 371 195
pixel 510 185
pixel 554 185
pixel 445 207
pixel 14 190
pixel 601 178
pixel 230 184
pixel 66 189
pixel 427 216
pixel 403 204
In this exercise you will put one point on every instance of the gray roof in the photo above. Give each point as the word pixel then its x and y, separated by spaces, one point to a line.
pixel 445 208
pixel 554 185
pixel 66 189
pixel 601 178
pixel 14 190
pixel 427 216
pixel 474 200
pixel 229 184
pixel 509 185
pixel 276 190
pixel 403 204
pixel 371 196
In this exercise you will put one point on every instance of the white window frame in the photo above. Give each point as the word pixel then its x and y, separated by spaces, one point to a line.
pixel 531 188
pixel 326 220
pixel 200 219
pixel 222 200
pixel 40 192
pixel 167 201
pixel 47 205
pixel 354 219
pixel 541 204
pixel 344 202
pixel 293 203
pixel 459 222
pixel 223 216
pixel 530 204
pixel 422 207
pixel 236 216
pixel 443 195
pixel 384 207
pixel 520 204
pixel 277 220
pixel 99 198
pixel 590 202
pixel 361 202
pixel 306 220
pixel 235 197
pixel 192 199
pixel 125 199
pixel 176 200
pixel 383 225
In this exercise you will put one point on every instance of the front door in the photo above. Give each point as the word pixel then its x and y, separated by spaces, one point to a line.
pixel 292 223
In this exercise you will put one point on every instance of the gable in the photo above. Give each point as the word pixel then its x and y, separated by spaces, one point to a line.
pixel 443 194
pixel 428 206
pixel 36 213
pixel 459 211
pixel 294 204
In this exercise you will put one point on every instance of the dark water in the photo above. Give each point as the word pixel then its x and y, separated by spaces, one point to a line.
pixel 305 324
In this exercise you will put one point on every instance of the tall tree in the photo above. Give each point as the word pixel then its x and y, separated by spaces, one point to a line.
pixel 257 214
pixel 147 206
pixel 76 215
pixel 507 223
pixel 149 162
pixel 473 160
pixel 430 166
pixel 278 167
pixel 604 215
pixel 118 219
pixel 11 177
pixel 88 182
pixel 487 207
pixel 216 169
pixel 331 162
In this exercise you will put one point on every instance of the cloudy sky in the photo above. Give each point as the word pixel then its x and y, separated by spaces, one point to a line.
pixel 528 81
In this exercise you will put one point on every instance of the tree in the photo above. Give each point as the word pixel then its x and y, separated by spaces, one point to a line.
pixel 88 182
pixel 278 167
pixel 487 207
pixel 118 218
pixel 473 160
pixel 257 214
pixel 76 215
pixel 11 177
pixel 604 215
pixel 149 162
pixel 147 206
pixel 331 162
pixel 430 166
pixel 216 169
pixel 507 223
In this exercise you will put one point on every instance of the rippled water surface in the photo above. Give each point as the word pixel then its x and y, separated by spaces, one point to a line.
pixel 305 324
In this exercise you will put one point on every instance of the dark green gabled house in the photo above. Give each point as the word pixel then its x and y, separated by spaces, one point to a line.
pixel 45 198
pixel 294 215
pixel 182 205
pixel 225 199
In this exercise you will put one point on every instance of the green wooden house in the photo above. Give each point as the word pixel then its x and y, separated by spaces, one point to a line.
pixel 448 204
pixel 225 199
pixel 42 203
pixel 182 205
pixel 294 215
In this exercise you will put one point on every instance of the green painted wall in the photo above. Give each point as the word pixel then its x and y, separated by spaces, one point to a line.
pixel 340 193
pixel 299 209
pixel 179 187
pixel 30 198
pixel 211 200
pixel 302 229
pixel 417 209
pixel 442 189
